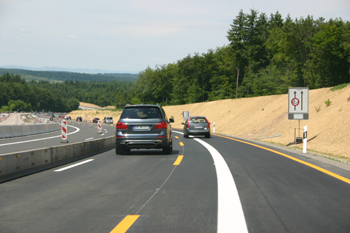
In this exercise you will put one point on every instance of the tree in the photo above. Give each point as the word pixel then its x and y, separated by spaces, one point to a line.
pixel 237 37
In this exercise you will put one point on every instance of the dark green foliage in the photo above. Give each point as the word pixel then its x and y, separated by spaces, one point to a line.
pixel 265 56
pixel 16 94
pixel 99 93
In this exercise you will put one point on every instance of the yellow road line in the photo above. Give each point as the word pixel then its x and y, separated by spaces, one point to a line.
pixel 176 137
pixel 124 225
pixel 181 144
pixel 178 160
pixel 295 159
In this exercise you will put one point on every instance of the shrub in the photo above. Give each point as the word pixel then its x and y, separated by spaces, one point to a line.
pixel 328 102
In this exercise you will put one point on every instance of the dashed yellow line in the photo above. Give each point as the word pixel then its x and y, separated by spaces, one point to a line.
pixel 176 137
pixel 178 160
pixel 181 143
pixel 124 225
pixel 295 159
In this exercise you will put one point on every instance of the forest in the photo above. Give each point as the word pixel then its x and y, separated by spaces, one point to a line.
pixel 264 56
pixel 99 93
pixel 17 95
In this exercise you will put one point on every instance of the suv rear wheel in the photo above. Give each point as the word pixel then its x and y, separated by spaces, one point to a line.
pixel 168 149
pixel 121 150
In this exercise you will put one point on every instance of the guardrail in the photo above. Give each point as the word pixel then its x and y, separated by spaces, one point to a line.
pixel 15 165
pixel 9 131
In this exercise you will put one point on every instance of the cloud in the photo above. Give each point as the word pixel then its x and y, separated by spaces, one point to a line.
pixel 73 37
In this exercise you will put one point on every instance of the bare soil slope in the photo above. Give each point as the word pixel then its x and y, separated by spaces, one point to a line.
pixel 266 118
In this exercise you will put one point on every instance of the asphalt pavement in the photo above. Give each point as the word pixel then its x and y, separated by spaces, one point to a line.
pixel 146 191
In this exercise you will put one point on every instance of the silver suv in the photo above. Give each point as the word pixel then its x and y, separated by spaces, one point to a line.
pixel 143 127
pixel 196 125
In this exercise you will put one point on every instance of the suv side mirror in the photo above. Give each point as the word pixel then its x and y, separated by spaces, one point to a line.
pixel 171 120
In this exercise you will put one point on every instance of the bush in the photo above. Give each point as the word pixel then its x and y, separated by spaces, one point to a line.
pixel 328 102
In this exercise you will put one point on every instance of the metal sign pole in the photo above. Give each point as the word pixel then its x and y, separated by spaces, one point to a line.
pixel 298 106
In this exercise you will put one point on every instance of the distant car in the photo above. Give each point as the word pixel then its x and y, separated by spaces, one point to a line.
pixel 108 120
pixel 79 119
pixel 95 120
pixel 143 127
pixel 196 125
pixel 67 118
pixel 62 116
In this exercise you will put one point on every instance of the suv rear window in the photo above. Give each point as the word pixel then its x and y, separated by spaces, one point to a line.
pixel 141 113
pixel 198 120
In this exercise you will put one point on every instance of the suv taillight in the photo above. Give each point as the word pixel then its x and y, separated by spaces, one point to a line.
pixel 188 123
pixel 208 123
pixel 121 125
pixel 161 125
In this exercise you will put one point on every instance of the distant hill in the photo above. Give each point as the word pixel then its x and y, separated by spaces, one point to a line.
pixel 61 76
pixel 74 70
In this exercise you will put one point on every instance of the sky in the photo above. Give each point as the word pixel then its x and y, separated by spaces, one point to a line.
pixel 130 35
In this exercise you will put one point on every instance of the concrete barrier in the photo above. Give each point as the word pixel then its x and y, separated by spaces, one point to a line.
pixel 9 131
pixel 14 165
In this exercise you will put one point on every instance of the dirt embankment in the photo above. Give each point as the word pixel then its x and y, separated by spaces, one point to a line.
pixel 266 118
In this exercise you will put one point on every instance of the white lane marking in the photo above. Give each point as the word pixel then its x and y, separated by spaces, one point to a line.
pixel 40 139
pixel 89 139
pixel 230 212
pixel 74 165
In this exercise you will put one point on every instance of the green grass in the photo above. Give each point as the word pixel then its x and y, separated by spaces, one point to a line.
pixel 340 86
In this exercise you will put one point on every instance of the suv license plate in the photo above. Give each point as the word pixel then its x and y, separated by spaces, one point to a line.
pixel 141 127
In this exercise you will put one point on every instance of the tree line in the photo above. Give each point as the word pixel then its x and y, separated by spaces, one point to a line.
pixel 17 95
pixel 99 93
pixel 265 56
pixel 60 76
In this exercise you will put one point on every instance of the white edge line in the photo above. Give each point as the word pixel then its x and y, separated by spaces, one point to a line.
pixel 230 212
pixel 74 165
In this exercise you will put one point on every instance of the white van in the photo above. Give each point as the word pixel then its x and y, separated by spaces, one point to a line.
pixel 108 120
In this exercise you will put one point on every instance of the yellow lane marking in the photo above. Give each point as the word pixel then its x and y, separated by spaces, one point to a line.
pixel 124 225
pixel 176 137
pixel 181 144
pixel 295 159
pixel 178 160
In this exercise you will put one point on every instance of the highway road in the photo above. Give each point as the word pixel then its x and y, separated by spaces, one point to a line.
pixel 217 184
pixel 77 132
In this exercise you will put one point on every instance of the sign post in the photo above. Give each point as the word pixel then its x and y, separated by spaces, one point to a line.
pixel 298 105
pixel 185 115
pixel 305 140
